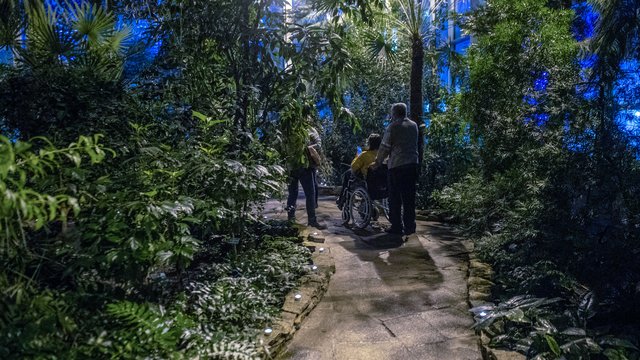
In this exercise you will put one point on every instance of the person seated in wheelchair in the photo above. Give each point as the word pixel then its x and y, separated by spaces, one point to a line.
pixel 360 166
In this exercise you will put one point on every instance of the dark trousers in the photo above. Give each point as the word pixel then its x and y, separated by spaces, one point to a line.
pixel 306 177
pixel 402 196
pixel 315 184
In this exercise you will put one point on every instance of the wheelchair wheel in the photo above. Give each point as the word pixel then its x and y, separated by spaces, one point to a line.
pixel 345 211
pixel 360 207
pixel 385 207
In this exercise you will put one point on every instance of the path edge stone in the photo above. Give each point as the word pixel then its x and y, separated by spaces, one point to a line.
pixel 479 284
pixel 312 288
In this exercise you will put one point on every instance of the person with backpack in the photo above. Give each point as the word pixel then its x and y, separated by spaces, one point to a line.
pixel 304 173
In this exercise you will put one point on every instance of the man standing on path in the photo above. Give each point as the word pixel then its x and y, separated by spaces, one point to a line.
pixel 400 144
pixel 305 174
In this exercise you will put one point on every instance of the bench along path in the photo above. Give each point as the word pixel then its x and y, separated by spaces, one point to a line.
pixel 388 299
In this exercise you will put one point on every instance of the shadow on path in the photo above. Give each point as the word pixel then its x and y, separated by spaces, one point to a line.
pixel 389 299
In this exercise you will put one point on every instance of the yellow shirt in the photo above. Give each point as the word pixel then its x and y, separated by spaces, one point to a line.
pixel 363 161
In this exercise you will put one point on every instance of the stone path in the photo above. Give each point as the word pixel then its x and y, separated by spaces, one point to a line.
pixel 388 299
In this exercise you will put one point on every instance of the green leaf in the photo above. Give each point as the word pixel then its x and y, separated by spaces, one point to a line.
pixel 617 342
pixel 553 344
pixel 517 315
pixel 581 346
pixel 200 115
pixel 614 354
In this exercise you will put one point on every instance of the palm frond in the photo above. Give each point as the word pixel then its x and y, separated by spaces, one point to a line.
pixel 93 24
pixel 415 17
pixel 11 24
pixel 380 47
pixel 366 10
pixel 105 64
pixel 45 39
pixel 117 42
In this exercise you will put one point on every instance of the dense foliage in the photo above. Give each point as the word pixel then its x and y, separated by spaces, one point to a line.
pixel 548 195
pixel 129 221
pixel 121 244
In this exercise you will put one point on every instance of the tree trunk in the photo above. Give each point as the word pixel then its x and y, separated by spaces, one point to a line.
pixel 415 100
pixel 417 65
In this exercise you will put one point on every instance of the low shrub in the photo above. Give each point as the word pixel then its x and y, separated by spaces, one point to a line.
pixel 98 249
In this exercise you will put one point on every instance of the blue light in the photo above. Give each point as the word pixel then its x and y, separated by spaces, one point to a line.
pixel 462 6
pixel 443 72
pixel 539 119
pixel 6 57
pixel 275 8
pixel 585 21
pixel 140 39
pixel 628 122
pixel 462 46
pixel 442 105
pixel 324 110
pixel 588 61
pixel 542 119
pixel 541 82
pixel 530 100
pixel 347 99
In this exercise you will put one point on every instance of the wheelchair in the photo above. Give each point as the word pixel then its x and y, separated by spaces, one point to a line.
pixel 366 198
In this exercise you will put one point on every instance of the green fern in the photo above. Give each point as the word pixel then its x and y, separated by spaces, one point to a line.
pixel 233 350
pixel 150 325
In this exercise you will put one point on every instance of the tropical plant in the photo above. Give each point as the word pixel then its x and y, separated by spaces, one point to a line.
pixel 614 43
pixel 79 34
pixel 157 251
pixel 449 151
pixel 415 19
pixel 538 200
pixel 38 204
pixel 66 78
pixel 260 55
pixel 25 208
pixel 536 327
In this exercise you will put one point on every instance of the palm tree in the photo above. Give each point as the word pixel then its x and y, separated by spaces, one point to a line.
pixel 414 22
pixel 79 35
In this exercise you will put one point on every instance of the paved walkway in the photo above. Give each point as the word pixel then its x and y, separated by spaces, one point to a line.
pixel 388 300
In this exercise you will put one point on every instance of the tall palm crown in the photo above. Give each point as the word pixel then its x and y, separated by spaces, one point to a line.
pixel 78 34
